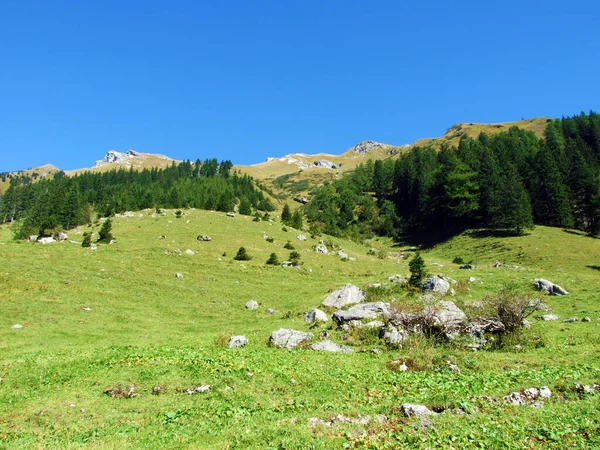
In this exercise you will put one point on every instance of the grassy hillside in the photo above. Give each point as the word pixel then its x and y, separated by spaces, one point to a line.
pixel 147 327
pixel 44 171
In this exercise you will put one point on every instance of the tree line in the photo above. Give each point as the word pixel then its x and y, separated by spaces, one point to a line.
pixel 66 202
pixel 510 180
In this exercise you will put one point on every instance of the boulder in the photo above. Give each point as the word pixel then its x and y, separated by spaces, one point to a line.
pixel 61 237
pixel 271 311
pixel 315 315
pixel 32 238
pixel 392 336
pixel 178 275
pixel 301 237
pixel 237 342
pixel 398 279
pixel 435 284
pixel 362 311
pixel 342 254
pixel 344 296
pixel 468 267
pixel 190 252
pixel 375 324
pixel 329 346
pixel 252 305
pixel 321 248
pixel 571 319
pixel 549 288
pixel 286 338
pixel 230 214
pixel 287 264
pixel 448 313
pixel 586 319
pixel 548 317
pixel 17 326
pixel 46 240
pixel 203 238
pixel 411 410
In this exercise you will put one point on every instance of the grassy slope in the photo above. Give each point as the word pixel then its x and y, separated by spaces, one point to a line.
pixel 148 327
pixel 43 171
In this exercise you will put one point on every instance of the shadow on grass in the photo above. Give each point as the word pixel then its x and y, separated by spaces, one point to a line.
pixel 487 233
pixel 593 266
pixel 429 239
pixel 580 233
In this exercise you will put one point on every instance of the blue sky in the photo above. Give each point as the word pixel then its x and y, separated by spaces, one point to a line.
pixel 243 80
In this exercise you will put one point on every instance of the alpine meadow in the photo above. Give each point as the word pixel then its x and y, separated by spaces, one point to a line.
pixel 438 296
pixel 299 225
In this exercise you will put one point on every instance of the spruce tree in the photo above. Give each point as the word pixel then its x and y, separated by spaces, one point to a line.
pixel 286 214
pixel 273 260
pixel 105 235
pixel 242 255
pixel 418 270
pixel 296 221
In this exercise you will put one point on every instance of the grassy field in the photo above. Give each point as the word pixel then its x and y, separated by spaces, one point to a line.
pixel 146 327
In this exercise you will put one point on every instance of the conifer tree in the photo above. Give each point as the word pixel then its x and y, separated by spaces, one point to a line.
pixel 286 214
pixel 418 270
pixel 273 260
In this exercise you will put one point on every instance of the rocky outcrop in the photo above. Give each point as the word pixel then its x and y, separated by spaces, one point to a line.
pixel 411 410
pixel 251 305
pixel 286 338
pixel 436 284
pixel 315 315
pixel 367 146
pixel 549 288
pixel 325 164
pixel 237 342
pixel 344 296
pixel 361 312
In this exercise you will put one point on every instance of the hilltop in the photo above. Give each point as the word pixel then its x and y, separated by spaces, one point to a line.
pixel 299 172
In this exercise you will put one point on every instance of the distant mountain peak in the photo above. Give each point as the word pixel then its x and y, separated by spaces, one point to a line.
pixel 367 146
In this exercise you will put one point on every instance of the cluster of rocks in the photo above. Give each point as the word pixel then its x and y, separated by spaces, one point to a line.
pixel 498 264
pixel 531 396
pixel 203 238
pixel 57 237
pixel 549 288
pixel 340 418
pixel 325 164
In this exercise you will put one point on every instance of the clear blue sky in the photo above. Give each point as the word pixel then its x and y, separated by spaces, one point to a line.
pixel 243 80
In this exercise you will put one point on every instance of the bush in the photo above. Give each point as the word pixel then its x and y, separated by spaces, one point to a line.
pixel 273 260
pixel 418 270
pixel 458 260
pixel 289 246
pixel 256 217
pixel 511 308
pixel 295 257
pixel 242 255
pixel 178 213
pixel 105 235
pixel 87 240
pixel 270 239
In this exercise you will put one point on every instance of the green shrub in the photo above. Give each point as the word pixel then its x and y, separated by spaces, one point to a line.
pixel 295 257
pixel 273 260
pixel 87 240
pixel 270 239
pixel 289 246
pixel 458 260
pixel 105 235
pixel 242 255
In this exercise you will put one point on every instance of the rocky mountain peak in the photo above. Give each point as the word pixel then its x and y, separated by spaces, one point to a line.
pixel 367 146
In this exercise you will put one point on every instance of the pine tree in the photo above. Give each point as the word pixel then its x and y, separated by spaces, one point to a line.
pixel 87 240
pixel 105 235
pixel 418 270
pixel 513 210
pixel 273 260
pixel 295 257
pixel 245 207
pixel 242 255
pixel 286 214
pixel 296 221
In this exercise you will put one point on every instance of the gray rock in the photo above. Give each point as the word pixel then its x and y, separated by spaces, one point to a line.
pixel 286 338
pixel 271 311
pixel 329 346
pixel 361 312
pixel 342 255
pixel 32 238
pixel 315 315
pixel 252 305
pixel 548 317
pixel 472 279
pixel 46 240
pixel 392 336
pixel 237 342
pixel 344 296
pixel 449 313
pixel 190 252
pixel 301 237
pixel 468 267
pixel 17 326
pixel 435 284
pixel 375 324
pixel 398 278
pixel 411 410
pixel 325 164
pixel 549 288
pixel 321 248
pixel 178 274
pixel 287 264
pixel 230 214
pixel 571 319
pixel 586 319
pixel 203 238
pixel 61 237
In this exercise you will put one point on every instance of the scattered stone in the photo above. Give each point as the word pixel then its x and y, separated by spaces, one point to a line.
pixel 453 367
pixel 571 320
pixel 32 238
pixel 344 296
pixel 203 238
pixel 402 279
pixel 587 389
pixel 61 237
pixel 46 240
pixel 436 284
pixel 321 248
pixel 120 391
pixel 252 305
pixel 362 311
pixel 392 336
pixel 314 421
pixel 237 342
pixel 301 237
pixel 549 288
pixel 315 315
pixel 548 317
pixel 497 264
pixel 271 311
pixel 158 389
pixel 198 390
pixel 411 410
pixel 586 319
pixel 472 279
pixel 538 305
pixel 178 274
pixel 86 308
pixel 287 264
pixel 468 267
pixel 190 252
pixel 302 200
pixel 230 214
pixel 525 396
pixel 342 254
pixel 449 314
pixel 323 334
pixel 17 326
pixel 375 324
pixel 286 338
pixel 329 346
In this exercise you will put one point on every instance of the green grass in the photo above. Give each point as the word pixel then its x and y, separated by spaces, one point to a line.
pixel 147 328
